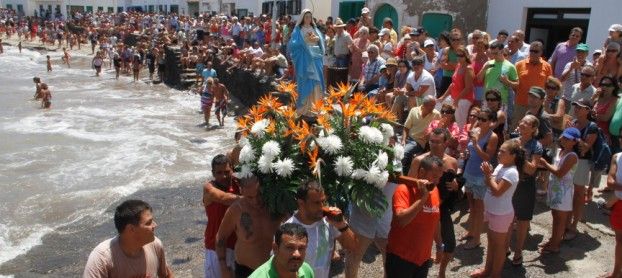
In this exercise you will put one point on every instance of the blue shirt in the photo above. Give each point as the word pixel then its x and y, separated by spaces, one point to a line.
pixel 207 73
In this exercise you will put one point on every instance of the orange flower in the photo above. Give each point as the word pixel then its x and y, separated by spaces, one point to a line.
pixel 288 113
pixel 242 123
pixel 256 112
pixel 324 121
pixel 313 157
pixel 271 128
pixel 357 99
pixel 269 102
pixel 289 88
pixel 318 106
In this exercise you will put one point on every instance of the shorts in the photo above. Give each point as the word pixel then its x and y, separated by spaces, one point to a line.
pixel 448 235
pixel 479 93
pixel 524 199
pixel 367 226
pixel 582 173
pixel 211 264
pixel 242 271
pixel 221 107
pixel 206 103
pixel 615 218
pixel 475 185
pixel 499 223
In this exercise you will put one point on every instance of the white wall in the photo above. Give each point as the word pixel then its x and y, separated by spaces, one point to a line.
pixel 512 14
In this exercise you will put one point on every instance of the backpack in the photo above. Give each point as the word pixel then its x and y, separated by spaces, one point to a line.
pixel 601 152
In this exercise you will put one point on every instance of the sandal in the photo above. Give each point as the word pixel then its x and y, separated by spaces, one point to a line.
pixel 517 261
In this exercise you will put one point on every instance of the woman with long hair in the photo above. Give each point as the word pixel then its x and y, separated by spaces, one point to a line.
pixel 493 101
pixel 605 98
pixel 447 121
pixel 500 186
pixel 554 108
pixel 306 47
pixel 609 63
pixel 461 87
pixel 589 130
pixel 397 100
pixel 560 188
pixel 481 147
pixel 524 199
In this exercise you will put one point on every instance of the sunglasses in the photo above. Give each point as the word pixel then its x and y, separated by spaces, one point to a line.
pixel 482 119
pixel 455 40
pixel 551 87
pixel 606 85
pixel 473 116
pixel 611 50
pixel 447 112
pixel 492 99
pixel 586 75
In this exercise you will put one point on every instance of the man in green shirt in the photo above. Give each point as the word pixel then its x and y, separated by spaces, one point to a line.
pixel 289 248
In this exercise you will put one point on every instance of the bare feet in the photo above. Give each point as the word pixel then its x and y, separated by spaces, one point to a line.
pixel 480 272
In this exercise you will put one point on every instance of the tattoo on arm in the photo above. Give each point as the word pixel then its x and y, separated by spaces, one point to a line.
pixel 247 223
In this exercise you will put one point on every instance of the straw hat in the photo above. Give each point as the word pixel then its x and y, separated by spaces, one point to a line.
pixel 339 23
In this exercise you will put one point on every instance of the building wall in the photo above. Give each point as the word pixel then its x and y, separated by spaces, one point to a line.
pixel 467 14
pixel 512 14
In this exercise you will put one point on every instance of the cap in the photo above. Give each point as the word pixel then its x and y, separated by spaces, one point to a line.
pixel 599 51
pixel 428 42
pixel 615 28
pixel 537 91
pixel 384 31
pixel 365 54
pixel 613 45
pixel 571 133
pixel 391 61
pixel 583 47
pixel 586 103
pixel 382 67
pixel 415 32
pixel 365 10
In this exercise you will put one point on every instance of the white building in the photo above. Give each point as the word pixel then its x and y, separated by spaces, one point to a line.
pixel 551 20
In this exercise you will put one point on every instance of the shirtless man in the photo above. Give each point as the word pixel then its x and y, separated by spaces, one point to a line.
pixel 97 63
pixel 46 96
pixel 19 46
pixel 218 195
pixel 445 238
pixel 66 57
pixel 221 98
pixel 49 63
pixel 249 219
pixel 37 82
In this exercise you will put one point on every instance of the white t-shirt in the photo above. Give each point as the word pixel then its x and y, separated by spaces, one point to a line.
pixel 257 53
pixel 426 78
pixel 502 205
pixel 320 247
pixel 574 77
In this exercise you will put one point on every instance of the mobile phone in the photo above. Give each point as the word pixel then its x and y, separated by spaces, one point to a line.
pixel 332 214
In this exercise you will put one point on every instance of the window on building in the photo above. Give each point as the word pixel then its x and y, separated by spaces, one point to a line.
pixel 89 9
pixel 9 6
pixel 20 8
pixel 175 9
pixel 110 9
pixel 150 8
pixel 100 9
pixel 119 9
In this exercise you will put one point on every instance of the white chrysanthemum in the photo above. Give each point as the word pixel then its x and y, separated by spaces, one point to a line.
pixel 247 154
pixel 383 160
pixel 245 172
pixel 387 132
pixel 359 174
pixel 271 149
pixel 330 144
pixel 343 166
pixel 243 142
pixel 376 177
pixel 283 168
pixel 398 151
pixel 259 128
pixel 264 164
pixel 370 135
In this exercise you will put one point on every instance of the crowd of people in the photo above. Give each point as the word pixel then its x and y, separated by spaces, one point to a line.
pixel 486 115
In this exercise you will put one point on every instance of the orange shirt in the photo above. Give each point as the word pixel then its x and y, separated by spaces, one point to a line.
pixel 413 242
pixel 530 75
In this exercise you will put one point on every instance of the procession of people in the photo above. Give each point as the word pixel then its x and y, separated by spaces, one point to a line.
pixel 488 126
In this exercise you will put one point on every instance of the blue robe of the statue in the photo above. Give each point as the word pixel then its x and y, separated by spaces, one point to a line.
pixel 308 64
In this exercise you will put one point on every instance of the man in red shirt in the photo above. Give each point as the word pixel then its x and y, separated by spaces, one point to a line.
pixel 218 194
pixel 416 216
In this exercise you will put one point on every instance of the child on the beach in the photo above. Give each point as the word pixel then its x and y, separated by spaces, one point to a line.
pixel 49 63
pixel 46 96
pixel 19 46
pixel 608 202
pixel 66 57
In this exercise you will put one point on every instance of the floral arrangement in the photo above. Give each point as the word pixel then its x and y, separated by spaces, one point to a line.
pixel 346 149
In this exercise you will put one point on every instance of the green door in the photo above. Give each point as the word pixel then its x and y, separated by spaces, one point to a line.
pixel 383 12
pixel 350 9
pixel 436 23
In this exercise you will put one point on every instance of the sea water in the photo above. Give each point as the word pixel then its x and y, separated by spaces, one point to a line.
pixel 102 140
